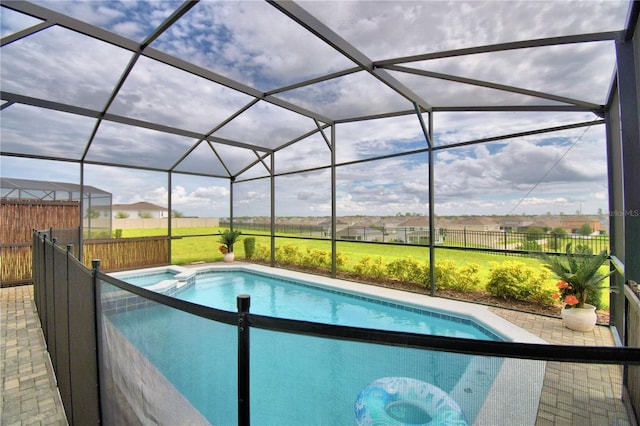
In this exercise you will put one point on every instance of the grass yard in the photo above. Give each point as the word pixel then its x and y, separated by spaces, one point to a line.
pixel 205 248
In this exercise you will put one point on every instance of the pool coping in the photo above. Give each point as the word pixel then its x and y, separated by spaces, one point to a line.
pixel 516 378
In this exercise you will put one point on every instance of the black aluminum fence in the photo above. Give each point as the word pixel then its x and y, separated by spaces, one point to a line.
pixel 65 299
pixel 500 241
pixel 125 355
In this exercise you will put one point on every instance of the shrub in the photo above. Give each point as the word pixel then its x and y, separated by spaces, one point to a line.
pixel 408 269
pixel 288 254
pixel 316 258
pixel 467 277
pixel 448 276
pixel 529 245
pixel 534 233
pixel 249 247
pixel 263 253
pixel 517 281
pixel 371 266
pixel 341 259
pixel 443 274
pixel 117 233
pixel 595 298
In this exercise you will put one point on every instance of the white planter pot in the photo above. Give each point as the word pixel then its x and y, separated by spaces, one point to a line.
pixel 580 319
pixel 228 257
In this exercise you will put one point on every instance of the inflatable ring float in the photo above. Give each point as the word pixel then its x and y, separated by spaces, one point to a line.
pixel 396 401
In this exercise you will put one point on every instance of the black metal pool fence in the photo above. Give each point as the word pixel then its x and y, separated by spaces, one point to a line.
pixel 508 241
pixel 93 361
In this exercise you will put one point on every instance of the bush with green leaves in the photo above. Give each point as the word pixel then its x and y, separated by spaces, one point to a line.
pixel 448 276
pixel 316 258
pixel 409 270
pixel 529 245
pixel 288 253
pixel 262 254
pixel 371 266
pixel 443 274
pixel 595 298
pixel 467 277
pixel 513 280
pixel 341 259
pixel 249 247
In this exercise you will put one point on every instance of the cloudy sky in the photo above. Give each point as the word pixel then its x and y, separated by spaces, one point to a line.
pixel 256 45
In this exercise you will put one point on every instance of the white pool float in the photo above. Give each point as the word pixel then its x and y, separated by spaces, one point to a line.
pixel 398 401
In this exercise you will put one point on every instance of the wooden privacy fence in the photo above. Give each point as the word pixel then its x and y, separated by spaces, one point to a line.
pixel 114 254
pixel 127 253
pixel 20 217
pixel 15 264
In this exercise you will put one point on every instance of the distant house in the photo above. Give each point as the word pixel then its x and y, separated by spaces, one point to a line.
pixel 415 230
pixel 359 233
pixel 572 224
pixel 471 223
pixel 326 226
pixel 515 224
pixel 142 210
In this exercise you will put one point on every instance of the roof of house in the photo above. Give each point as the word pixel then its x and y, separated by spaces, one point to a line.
pixel 8 183
pixel 141 205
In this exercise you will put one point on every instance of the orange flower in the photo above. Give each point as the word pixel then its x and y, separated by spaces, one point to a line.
pixel 223 249
pixel 562 284
pixel 571 300
pixel 556 296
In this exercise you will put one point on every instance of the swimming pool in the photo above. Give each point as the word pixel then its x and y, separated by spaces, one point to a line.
pixel 285 298
pixel 330 372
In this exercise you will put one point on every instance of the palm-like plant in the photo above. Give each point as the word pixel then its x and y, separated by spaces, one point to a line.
pixel 579 273
pixel 228 237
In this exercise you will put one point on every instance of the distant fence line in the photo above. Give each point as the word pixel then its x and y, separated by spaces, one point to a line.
pixel 460 238
pixel 176 222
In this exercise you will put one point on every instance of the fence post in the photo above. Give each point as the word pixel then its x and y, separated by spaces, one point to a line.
pixel 44 317
pixel 97 315
pixel 243 302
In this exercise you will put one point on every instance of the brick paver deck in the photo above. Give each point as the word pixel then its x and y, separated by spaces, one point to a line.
pixel 29 391
pixel 573 394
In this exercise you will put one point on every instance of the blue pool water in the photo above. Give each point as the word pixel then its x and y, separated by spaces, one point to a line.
pixel 278 297
pixel 295 380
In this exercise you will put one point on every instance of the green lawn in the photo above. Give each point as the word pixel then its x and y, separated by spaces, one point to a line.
pixel 194 249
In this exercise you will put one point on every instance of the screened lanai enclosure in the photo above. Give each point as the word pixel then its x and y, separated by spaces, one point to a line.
pixel 279 109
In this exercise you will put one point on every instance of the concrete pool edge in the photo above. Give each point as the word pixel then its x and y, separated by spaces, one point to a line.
pixel 520 380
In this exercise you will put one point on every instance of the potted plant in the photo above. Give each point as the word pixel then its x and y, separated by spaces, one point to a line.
pixel 579 276
pixel 227 238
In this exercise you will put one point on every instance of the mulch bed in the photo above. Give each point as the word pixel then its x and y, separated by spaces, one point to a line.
pixel 479 297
